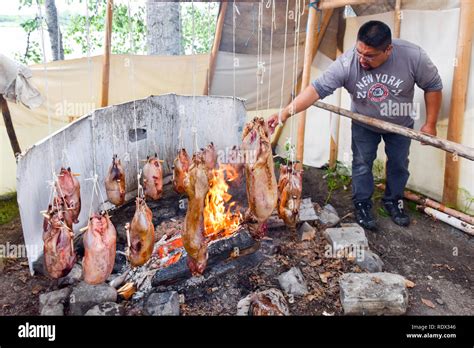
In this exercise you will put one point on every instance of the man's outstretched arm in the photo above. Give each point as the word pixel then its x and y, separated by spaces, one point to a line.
pixel 303 101
pixel 433 105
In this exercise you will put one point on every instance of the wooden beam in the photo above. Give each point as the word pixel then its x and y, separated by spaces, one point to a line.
pixel 458 99
pixel 443 144
pixel 331 4
pixel 104 99
pixel 397 19
pixel 215 48
pixel 7 119
pixel 319 38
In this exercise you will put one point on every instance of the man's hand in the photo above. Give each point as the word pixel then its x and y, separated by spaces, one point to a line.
pixel 273 121
pixel 428 129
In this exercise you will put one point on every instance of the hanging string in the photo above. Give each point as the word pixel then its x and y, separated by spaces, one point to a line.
pixel 271 50
pixel 50 183
pixel 194 128
pixel 284 57
pixel 260 67
pixel 234 9
pixel 135 121
pixel 209 43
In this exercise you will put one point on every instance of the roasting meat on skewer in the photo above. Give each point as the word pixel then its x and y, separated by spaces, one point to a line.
pixel 99 249
pixel 69 189
pixel 58 238
pixel 197 186
pixel 140 234
pixel 115 182
pixel 290 186
pixel 153 178
pixel 180 168
pixel 261 183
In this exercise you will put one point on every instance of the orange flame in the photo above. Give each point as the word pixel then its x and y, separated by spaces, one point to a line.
pixel 220 221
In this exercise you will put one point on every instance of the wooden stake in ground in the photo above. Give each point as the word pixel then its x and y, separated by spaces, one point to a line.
pixel 334 129
pixel 7 119
pixel 458 99
pixel 443 144
pixel 104 98
pixel 215 48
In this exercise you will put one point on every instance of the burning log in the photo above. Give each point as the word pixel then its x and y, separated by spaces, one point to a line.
pixel 219 250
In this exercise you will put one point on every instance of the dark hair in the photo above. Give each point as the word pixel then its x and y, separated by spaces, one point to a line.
pixel 375 34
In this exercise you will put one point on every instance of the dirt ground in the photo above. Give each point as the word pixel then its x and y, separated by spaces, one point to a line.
pixel 436 257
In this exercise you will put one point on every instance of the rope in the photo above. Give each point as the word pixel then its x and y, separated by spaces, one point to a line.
pixel 260 63
pixel 193 52
pixel 284 57
pixel 234 9
pixel 271 51
pixel 132 74
pixel 50 129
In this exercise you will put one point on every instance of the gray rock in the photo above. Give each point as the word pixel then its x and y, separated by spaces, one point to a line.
pixel 85 296
pixel 53 298
pixel 292 282
pixel 373 294
pixel 306 232
pixel 57 310
pixel 369 261
pixel 73 277
pixel 106 309
pixel 162 303
pixel 263 303
pixel 440 301
pixel 307 212
pixel 346 240
pixel 328 216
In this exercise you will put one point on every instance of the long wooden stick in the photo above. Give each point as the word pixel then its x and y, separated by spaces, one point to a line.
pixel 7 119
pixel 334 129
pixel 458 99
pixel 215 48
pixel 443 144
pixel 104 100
pixel 425 201
pixel 460 225
pixel 397 19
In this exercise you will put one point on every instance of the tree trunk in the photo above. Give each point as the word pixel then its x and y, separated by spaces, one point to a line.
pixel 163 28
pixel 55 35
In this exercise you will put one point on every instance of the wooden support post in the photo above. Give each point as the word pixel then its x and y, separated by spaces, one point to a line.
pixel 312 36
pixel 7 119
pixel 443 144
pixel 334 130
pixel 397 19
pixel 458 99
pixel 104 100
pixel 215 48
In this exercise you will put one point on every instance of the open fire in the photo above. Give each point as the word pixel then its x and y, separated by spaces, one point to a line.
pixel 222 218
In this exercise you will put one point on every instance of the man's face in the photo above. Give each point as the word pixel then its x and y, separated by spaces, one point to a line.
pixel 370 57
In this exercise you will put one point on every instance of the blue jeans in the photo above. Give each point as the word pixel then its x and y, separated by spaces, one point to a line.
pixel 364 150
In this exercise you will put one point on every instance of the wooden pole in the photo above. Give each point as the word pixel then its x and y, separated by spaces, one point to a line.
pixel 215 48
pixel 104 100
pixel 397 19
pixel 7 119
pixel 458 99
pixel 319 38
pixel 331 4
pixel 443 144
pixel 334 129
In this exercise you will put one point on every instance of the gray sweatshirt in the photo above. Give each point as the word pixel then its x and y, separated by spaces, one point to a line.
pixel 385 92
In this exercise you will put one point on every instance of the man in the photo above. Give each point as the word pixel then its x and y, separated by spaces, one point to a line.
pixel 380 75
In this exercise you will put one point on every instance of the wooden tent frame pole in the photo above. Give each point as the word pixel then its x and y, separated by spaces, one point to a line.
pixel 215 48
pixel 458 99
pixel 397 19
pixel 7 119
pixel 334 138
pixel 104 97
pixel 318 39
pixel 443 144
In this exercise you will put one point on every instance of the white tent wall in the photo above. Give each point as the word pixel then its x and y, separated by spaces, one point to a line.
pixel 72 88
pixel 426 163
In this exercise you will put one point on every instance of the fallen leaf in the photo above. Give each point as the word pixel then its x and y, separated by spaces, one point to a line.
pixel 376 280
pixel 409 283
pixel 316 263
pixel 428 303
pixel 327 314
pixel 324 276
